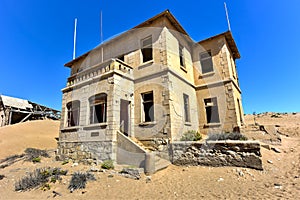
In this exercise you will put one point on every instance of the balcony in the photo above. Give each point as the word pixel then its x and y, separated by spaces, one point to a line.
pixel 101 70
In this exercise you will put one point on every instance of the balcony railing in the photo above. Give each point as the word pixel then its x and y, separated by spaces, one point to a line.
pixel 101 69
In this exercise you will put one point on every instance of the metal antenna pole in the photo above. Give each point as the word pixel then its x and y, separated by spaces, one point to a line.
pixel 74 47
pixel 227 17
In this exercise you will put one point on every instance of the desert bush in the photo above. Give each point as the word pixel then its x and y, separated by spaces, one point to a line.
pixel 32 153
pixel 39 177
pixel 79 180
pixel 226 136
pixel 36 160
pixel 108 164
pixel 1 176
pixel 191 135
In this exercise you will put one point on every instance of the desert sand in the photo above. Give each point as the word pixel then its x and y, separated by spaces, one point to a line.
pixel 280 178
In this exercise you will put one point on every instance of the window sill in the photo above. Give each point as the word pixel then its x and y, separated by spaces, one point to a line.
pixel 212 125
pixel 70 129
pixel 93 126
pixel 183 69
pixel 187 123
pixel 206 74
pixel 147 123
pixel 146 64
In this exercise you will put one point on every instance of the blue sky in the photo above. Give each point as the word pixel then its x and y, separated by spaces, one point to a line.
pixel 36 40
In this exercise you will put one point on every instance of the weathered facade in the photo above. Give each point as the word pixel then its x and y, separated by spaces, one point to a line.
pixel 151 83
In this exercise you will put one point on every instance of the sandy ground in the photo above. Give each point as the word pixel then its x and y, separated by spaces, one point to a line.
pixel 281 169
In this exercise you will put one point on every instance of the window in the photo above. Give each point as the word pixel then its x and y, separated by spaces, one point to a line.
pixel 147 49
pixel 148 107
pixel 233 67
pixel 212 113
pixel 73 109
pixel 181 56
pixel 206 62
pixel 98 108
pixel 186 108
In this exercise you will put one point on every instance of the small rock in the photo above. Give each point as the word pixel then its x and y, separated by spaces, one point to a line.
pixel 74 164
pixel 296 176
pixel 110 176
pixel 277 186
pixel 241 173
pixel 270 161
pixel 220 179
pixel 148 179
pixel 94 169
pixel 131 173
pixel 276 150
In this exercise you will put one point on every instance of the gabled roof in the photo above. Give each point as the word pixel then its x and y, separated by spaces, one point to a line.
pixel 229 39
pixel 178 28
pixel 147 23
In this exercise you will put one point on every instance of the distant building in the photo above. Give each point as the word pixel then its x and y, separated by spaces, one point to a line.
pixel 14 110
pixel 150 84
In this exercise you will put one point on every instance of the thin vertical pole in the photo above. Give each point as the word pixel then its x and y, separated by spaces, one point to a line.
pixel 101 35
pixel 227 17
pixel 74 47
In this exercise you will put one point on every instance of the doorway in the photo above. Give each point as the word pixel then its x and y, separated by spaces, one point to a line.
pixel 125 117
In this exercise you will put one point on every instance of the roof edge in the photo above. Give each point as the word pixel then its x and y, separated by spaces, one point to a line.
pixel 229 39
pixel 146 23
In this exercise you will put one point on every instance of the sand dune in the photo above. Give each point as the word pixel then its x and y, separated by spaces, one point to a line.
pixel 280 178
pixel 14 139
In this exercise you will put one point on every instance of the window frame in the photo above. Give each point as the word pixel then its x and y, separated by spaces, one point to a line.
pixel 186 107
pixel 95 101
pixel 181 56
pixel 149 117
pixel 205 59
pixel 145 49
pixel 73 109
pixel 212 110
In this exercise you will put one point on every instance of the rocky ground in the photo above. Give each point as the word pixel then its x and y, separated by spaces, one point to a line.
pixel 280 178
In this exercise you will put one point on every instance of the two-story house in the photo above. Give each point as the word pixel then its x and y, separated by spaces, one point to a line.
pixel 151 83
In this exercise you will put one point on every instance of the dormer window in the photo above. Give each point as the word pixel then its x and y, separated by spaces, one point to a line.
pixel 147 53
pixel 181 56
pixel 206 62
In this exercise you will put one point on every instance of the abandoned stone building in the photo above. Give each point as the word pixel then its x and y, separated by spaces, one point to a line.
pixel 149 85
pixel 15 110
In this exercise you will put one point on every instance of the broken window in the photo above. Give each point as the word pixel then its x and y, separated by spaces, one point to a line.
pixel 147 49
pixel 212 112
pixel 181 56
pixel 186 108
pixel 206 62
pixel 148 107
pixel 98 108
pixel 73 109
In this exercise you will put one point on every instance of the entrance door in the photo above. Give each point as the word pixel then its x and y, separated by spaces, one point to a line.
pixel 125 117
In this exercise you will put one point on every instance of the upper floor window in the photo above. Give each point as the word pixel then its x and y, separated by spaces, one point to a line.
pixel 186 108
pixel 212 111
pixel 181 56
pixel 73 110
pixel 147 53
pixel 98 108
pixel 206 62
pixel 148 107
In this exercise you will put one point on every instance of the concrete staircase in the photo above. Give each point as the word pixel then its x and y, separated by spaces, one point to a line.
pixel 152 158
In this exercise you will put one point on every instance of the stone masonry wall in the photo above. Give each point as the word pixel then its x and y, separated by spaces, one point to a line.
pixel 217 153
pixel 86 151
